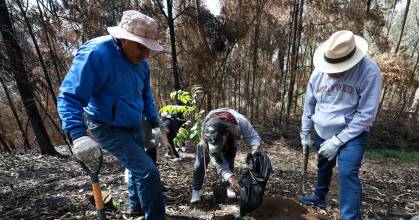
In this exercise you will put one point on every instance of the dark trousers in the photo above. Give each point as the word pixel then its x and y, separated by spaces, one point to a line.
pixel 173 145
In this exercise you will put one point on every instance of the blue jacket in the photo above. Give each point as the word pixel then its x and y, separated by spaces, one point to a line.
pixel 107 87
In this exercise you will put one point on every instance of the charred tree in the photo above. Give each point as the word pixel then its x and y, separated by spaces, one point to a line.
pixel 406 11
pixel 38 51
pixel 171 23
pixel 25 88
pixel 12 107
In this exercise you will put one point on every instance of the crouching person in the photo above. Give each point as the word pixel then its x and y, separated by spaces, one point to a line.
pixel 221 130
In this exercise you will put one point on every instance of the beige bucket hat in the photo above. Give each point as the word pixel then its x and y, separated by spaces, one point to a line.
pixel 340 52
pixel 137 27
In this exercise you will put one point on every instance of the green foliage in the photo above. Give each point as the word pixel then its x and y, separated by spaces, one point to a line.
pixel 40 195
pixel 183 97
pixel 173 109
pixel 189 110
pixel 403 156
pixel 116 204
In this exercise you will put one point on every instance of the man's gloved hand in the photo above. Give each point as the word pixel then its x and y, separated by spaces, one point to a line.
pixel 330 147
pixel 306 140
pixel 86 149
pixel 255 148
pixel 234 184
pixel 157 135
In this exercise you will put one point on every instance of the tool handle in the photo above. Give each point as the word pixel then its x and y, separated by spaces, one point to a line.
pixel 98 196
pixel 304 181
pixel 94 177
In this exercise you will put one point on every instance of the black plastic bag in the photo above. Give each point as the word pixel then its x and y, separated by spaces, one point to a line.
pixel 253 182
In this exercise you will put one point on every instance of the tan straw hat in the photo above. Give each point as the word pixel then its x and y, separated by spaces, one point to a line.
pixel 340 52
pixel 137 27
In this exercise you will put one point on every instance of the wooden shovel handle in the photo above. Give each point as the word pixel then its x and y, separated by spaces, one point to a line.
pixel 97 194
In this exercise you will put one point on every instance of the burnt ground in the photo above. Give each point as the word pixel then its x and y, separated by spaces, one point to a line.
pixel 33 186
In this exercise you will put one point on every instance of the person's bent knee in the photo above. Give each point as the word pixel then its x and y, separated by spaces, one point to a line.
pixel 148 175
pixel 199 164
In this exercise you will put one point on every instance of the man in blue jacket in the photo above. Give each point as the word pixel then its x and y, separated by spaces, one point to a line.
pixel 341 103
pixel 109 84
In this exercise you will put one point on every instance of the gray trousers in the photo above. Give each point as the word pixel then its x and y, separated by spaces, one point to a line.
pixel 202 162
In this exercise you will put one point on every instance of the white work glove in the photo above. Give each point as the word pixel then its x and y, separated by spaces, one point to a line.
pixel 330 147
pixel 126 175
pixel 157 135
pixel 86 149
pixel 255 148
pixel 306 141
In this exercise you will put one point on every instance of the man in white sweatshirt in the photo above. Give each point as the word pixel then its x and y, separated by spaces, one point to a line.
pixel 341 103
pixel 221 131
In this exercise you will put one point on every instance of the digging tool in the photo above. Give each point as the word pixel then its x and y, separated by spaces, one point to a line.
pixel 304 181
pixel 94 177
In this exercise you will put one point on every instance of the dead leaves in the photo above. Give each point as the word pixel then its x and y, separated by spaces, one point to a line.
pixel 36 186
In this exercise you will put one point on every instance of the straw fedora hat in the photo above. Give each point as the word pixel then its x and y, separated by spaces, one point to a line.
pixel 137 27
pixel 340 52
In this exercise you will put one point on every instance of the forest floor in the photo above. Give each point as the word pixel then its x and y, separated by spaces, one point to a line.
pixel 33 186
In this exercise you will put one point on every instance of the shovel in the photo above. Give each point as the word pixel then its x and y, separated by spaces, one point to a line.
pixel 304 180
pixel 94 177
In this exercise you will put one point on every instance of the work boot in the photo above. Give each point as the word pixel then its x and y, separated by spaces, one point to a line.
pixel 135 211
pixel 313 199
pixel 230 193
pixel 196 195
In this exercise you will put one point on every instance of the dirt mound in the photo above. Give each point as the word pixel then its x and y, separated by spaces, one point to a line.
pixel 282 208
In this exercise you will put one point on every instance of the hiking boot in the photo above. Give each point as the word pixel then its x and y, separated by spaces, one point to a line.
pixel 135 211
pixel 313 199
pixel 196 195
pixel 230 193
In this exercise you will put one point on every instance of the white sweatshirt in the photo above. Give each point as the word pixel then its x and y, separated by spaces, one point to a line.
pixel 345 106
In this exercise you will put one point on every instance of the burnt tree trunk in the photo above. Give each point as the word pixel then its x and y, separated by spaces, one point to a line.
pixel 14 52
pixel 295 45
pixel 403 24
pixel 38 52
pixel 171 23
pixel 255 59
pixel 390 19
pixel 12 107
pixel 52 49
pixel 3 142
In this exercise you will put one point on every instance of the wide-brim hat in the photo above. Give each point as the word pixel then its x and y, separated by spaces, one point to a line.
pixel 137 27
pixel 340 52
